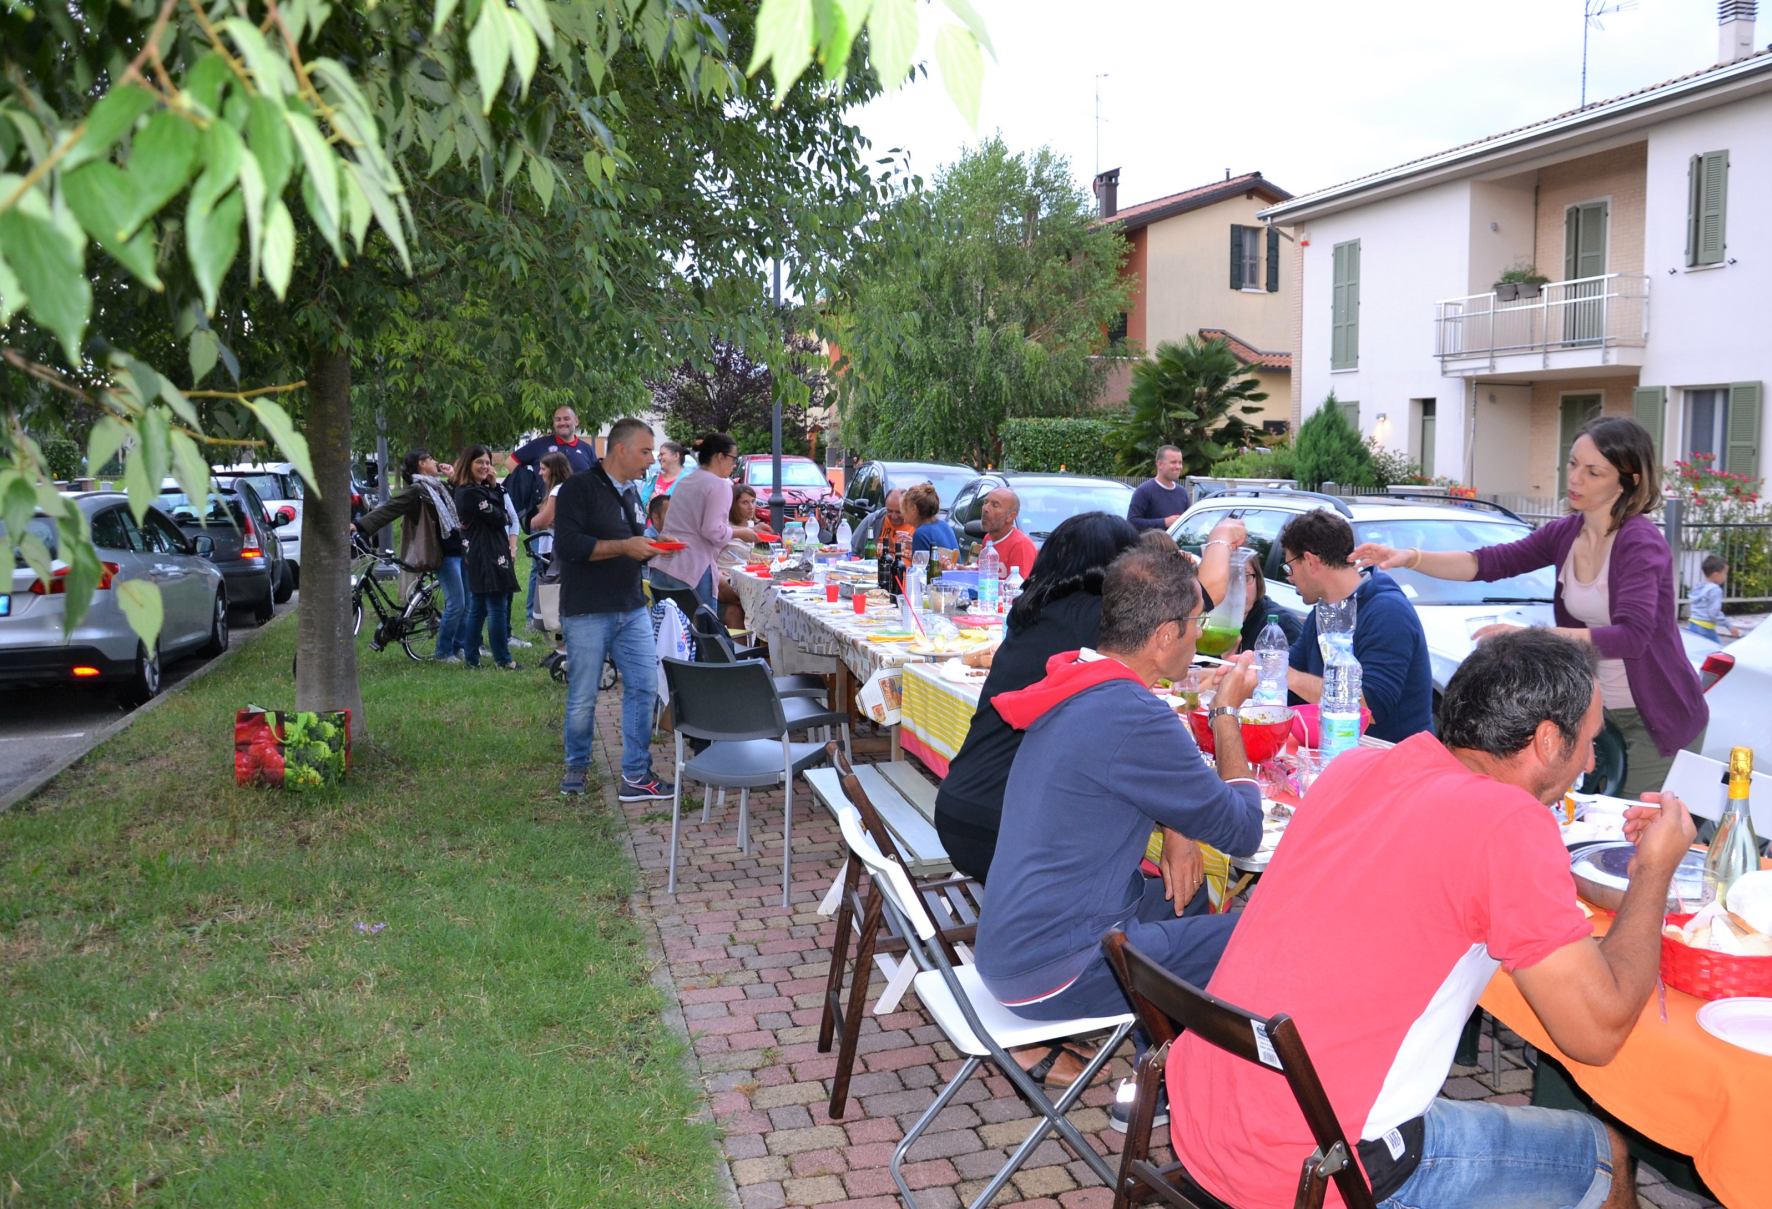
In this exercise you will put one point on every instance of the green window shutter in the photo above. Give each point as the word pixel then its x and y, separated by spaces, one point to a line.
pixel 1743 453
pixel 1350 410
pixel 1692 211
pixel 1711 196
pixel 1273 259
pixel 1344 324
pixel 1650 405
pixel 1236 257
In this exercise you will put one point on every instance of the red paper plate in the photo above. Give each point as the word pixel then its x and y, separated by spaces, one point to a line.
pixel 757 568
pixel 669 547
pixel 767 538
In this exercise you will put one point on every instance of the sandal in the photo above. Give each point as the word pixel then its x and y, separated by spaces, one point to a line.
pixel 1044 1073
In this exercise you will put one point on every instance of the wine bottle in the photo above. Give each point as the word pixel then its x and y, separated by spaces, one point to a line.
pixel 1735 850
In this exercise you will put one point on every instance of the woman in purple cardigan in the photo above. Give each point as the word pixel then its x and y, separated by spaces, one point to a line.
pixel 1615 589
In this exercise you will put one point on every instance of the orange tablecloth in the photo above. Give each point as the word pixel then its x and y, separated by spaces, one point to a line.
pixel 1675 1083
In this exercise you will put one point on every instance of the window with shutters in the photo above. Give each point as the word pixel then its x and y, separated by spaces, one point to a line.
pixel 1707 423
pixel 1245 258
pixel 1707 182
pixel 1725 423
pixel 1344 304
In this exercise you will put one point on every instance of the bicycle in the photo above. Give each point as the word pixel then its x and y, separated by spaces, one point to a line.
pixel 413 624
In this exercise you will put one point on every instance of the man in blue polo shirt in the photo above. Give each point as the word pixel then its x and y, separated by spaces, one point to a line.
pixel 1395 676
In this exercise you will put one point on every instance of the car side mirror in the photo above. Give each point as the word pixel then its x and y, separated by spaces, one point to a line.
pixel 204 546
pixel 974 528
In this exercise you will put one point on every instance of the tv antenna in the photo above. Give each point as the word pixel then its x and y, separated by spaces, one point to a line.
pixel 1100 76
pixel 1591 12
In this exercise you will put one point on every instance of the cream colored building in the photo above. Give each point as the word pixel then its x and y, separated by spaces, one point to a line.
pixel 1202 264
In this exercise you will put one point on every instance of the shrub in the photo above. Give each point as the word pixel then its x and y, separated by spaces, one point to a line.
pixel 1330 451
pixel 62 456
pixel 1194 396
pixel 1393 467
pixel 1079 444
pixel 1279 462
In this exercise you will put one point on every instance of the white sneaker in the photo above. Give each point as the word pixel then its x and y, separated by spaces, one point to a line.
pixel 518 642
pixel 1126 1098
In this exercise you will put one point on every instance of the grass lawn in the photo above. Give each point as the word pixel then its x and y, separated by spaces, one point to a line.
pixel 194 1016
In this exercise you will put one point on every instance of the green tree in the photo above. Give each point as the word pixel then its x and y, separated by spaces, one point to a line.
pixel 730 391
pixel 1329 450
pixel 986 298
pixel 1191 395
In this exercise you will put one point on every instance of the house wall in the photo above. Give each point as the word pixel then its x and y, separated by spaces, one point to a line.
pixel 1503 412
pixel 1508 206
pixel 1187 279
pixel 1134 271
pixel 1545 420
pixel 1616 176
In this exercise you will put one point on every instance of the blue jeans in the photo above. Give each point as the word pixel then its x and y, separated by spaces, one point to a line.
pixel 627 638
pixel 1476 1155
pixel 493 610
pixel 450 630
pixel 530 613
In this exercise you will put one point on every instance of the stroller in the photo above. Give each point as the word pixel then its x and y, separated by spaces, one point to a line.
pixel 547 602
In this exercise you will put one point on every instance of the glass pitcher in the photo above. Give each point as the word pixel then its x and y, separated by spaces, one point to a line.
pixel 1223 627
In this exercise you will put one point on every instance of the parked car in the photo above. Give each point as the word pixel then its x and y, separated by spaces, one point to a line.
pixel 1738 684
pixel 246 544
pixel 102 649
pixel 803 486
pixel 873 479
pixel 1046 500
pixel 282 491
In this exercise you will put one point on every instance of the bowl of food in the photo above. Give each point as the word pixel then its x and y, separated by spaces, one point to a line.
pixel 1265 730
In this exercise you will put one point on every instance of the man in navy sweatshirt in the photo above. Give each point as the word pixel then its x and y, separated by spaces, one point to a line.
pixel 1104 762
pixel 1159 502
pixel 1396 677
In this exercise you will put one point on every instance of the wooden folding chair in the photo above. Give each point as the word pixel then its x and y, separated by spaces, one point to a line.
pixel 1166 1007
pixel 865 915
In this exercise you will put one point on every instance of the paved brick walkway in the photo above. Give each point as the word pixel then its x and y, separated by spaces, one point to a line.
pixel 748 977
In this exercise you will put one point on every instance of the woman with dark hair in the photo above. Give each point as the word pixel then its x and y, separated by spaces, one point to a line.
pixel 701 505
pixel 430 540
pixel 1260 608
pixel 737 553
pixel 490 571
pixel 1615 590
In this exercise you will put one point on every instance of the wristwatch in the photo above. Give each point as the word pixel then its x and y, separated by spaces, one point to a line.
pixel 1220 711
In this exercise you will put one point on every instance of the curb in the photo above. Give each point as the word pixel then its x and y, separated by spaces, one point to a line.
pixel 36 784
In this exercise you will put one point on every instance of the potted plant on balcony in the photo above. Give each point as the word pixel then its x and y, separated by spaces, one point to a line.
pixel 1523 280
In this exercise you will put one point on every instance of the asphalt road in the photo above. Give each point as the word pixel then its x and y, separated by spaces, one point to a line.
pixel 40 727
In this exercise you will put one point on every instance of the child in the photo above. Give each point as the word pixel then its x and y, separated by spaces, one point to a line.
pixel 1706 617
pixel 655 514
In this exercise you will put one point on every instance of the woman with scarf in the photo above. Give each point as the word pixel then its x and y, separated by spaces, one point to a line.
pixel 430 540
pixel 490 567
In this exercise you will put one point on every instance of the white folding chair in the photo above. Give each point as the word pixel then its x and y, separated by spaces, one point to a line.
pixel 1703 784
pixel 980 1027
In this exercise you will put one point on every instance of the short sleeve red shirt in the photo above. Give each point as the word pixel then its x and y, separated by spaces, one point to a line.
pixel 1403 882
pixel 1016 549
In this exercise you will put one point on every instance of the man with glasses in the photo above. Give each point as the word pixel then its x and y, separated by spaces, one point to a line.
pixel 1104 761
pixel 1396 677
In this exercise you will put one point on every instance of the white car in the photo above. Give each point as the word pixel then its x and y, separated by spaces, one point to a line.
pixel 1739 686
pixel 282 491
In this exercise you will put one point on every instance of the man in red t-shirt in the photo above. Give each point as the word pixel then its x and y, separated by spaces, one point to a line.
pixel 999 513
pixel 1406 879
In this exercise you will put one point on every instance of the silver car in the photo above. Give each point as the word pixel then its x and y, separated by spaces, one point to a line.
pixel 103 649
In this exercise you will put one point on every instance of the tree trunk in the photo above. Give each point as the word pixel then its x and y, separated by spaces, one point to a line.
pixel 326 668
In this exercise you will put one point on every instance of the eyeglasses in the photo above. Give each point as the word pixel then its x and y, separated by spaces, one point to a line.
pixel 1184 622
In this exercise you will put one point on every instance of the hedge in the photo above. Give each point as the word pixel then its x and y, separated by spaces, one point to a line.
pixel 1079 444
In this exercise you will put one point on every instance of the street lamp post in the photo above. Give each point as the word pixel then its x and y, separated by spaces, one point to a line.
pixel 777 502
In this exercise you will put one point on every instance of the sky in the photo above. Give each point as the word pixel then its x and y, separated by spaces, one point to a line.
pixel 1309 94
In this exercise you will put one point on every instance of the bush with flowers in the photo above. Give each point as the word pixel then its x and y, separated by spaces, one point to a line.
pixel 1724 516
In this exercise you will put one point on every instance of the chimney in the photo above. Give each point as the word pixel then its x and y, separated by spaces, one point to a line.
pixel 1107 191
pixel 1735 32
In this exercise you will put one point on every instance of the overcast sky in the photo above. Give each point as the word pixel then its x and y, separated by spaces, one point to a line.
pixel 1311 94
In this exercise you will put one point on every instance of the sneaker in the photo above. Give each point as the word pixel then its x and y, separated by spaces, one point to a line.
pixel 1126 1099
pixel 455 659
pixel 649 788
pixel 518 643
pixel 572 785
pixel 507 667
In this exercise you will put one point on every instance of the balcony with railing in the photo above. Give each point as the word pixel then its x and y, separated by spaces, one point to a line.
pixel 1580 324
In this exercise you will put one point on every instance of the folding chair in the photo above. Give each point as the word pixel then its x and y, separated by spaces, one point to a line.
pixel 955 896
pixel 1167 1007
pixel 735 707
pixel 978 1026
pixel 716 646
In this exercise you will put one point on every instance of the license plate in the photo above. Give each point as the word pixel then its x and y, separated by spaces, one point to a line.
pixel 5 606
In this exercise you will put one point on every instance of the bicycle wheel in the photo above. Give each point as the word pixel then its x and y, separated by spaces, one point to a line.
pixel 419 626
pixel 357 612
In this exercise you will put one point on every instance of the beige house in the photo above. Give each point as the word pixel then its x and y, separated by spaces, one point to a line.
pixel 1202 264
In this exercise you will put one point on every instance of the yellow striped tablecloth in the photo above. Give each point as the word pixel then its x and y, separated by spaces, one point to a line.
pixel 937 714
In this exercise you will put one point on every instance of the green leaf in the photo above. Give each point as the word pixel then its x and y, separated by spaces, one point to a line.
pixel 252 191
pixel 141 488
pixel 489 47
pixel 153 448
pixel 205 82
pixel 110 119
pixel 212 240
pixel 536 13
pixel 784 40
pixel 108 436
pixel 18 500
pixel 291 442
pixel 160 163
pixel 36 555
pixel 140 600
pixel 83 573
pixel 279 251
pixel 322 171
pixel 963 9
pixel 98 194
pixel 205 350
pixel 385 212
pixel 174 398
pixel 962 69
pixel 12 294
pixel 357 212
pixel 222 153
pixel 189 466
pixel 541 175
pixel 51 276
pixel 269 67
pixel 268 135
pixel 324 220
pixel 525 53
pixel 445 9
pixel 892 32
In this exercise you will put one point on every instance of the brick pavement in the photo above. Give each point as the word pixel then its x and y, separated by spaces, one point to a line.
pixel 748 979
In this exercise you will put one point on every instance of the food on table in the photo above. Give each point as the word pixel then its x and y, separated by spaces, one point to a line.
pixel 1721 931
pixel 1751 899
pixel 981 657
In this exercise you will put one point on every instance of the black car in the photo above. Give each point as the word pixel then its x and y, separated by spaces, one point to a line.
pixel 867 487
pixel 247 551
pixel 1046 500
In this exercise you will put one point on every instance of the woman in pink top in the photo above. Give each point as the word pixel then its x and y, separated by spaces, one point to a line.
pixel 701 505
pixel 1615 590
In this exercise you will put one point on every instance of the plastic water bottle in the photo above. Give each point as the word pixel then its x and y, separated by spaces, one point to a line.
pixel 1272 654
pixel 845 534
pixel 990 573
pixel 1011 588
pixel 1339 712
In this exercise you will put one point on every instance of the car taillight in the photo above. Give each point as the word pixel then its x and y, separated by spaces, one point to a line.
pixel 356 499
pixel 85 673
pixel 1716 665
pixel 249 547
pixel 57 583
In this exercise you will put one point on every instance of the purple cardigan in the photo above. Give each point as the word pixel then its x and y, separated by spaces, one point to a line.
pixel 1645 629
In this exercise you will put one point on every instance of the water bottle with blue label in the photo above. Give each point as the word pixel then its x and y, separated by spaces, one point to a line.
pixel 1339 711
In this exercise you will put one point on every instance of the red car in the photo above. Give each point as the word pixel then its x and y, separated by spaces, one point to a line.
pixel 803 487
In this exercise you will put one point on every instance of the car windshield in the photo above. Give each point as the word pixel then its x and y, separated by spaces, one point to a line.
pixel 1044 506
pixel 1456 533
pixel 947 484
pixel 793 474
pixel 215 509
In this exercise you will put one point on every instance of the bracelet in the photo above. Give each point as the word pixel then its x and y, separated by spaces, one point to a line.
pixel 1417 561
pixel 1217 541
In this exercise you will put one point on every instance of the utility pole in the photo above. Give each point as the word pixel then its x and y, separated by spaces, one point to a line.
pixel 1100 76
pixel 777 502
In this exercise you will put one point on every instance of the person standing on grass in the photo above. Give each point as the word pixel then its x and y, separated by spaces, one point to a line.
pixel 490 570
pixel 429 532
pixel 600 548
pixel 1159 502
pixel 562 439
pixel 555 469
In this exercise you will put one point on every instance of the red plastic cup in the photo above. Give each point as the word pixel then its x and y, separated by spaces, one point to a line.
pixel 831 593
pixel 861 603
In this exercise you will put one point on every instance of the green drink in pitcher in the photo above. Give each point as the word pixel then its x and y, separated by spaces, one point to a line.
pixel 1217 640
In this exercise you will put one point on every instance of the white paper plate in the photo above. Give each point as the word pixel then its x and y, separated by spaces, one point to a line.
pixel 1744 1022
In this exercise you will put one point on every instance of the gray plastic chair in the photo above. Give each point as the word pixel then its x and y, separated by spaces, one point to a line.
pixel 717 646
pixel 737 710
